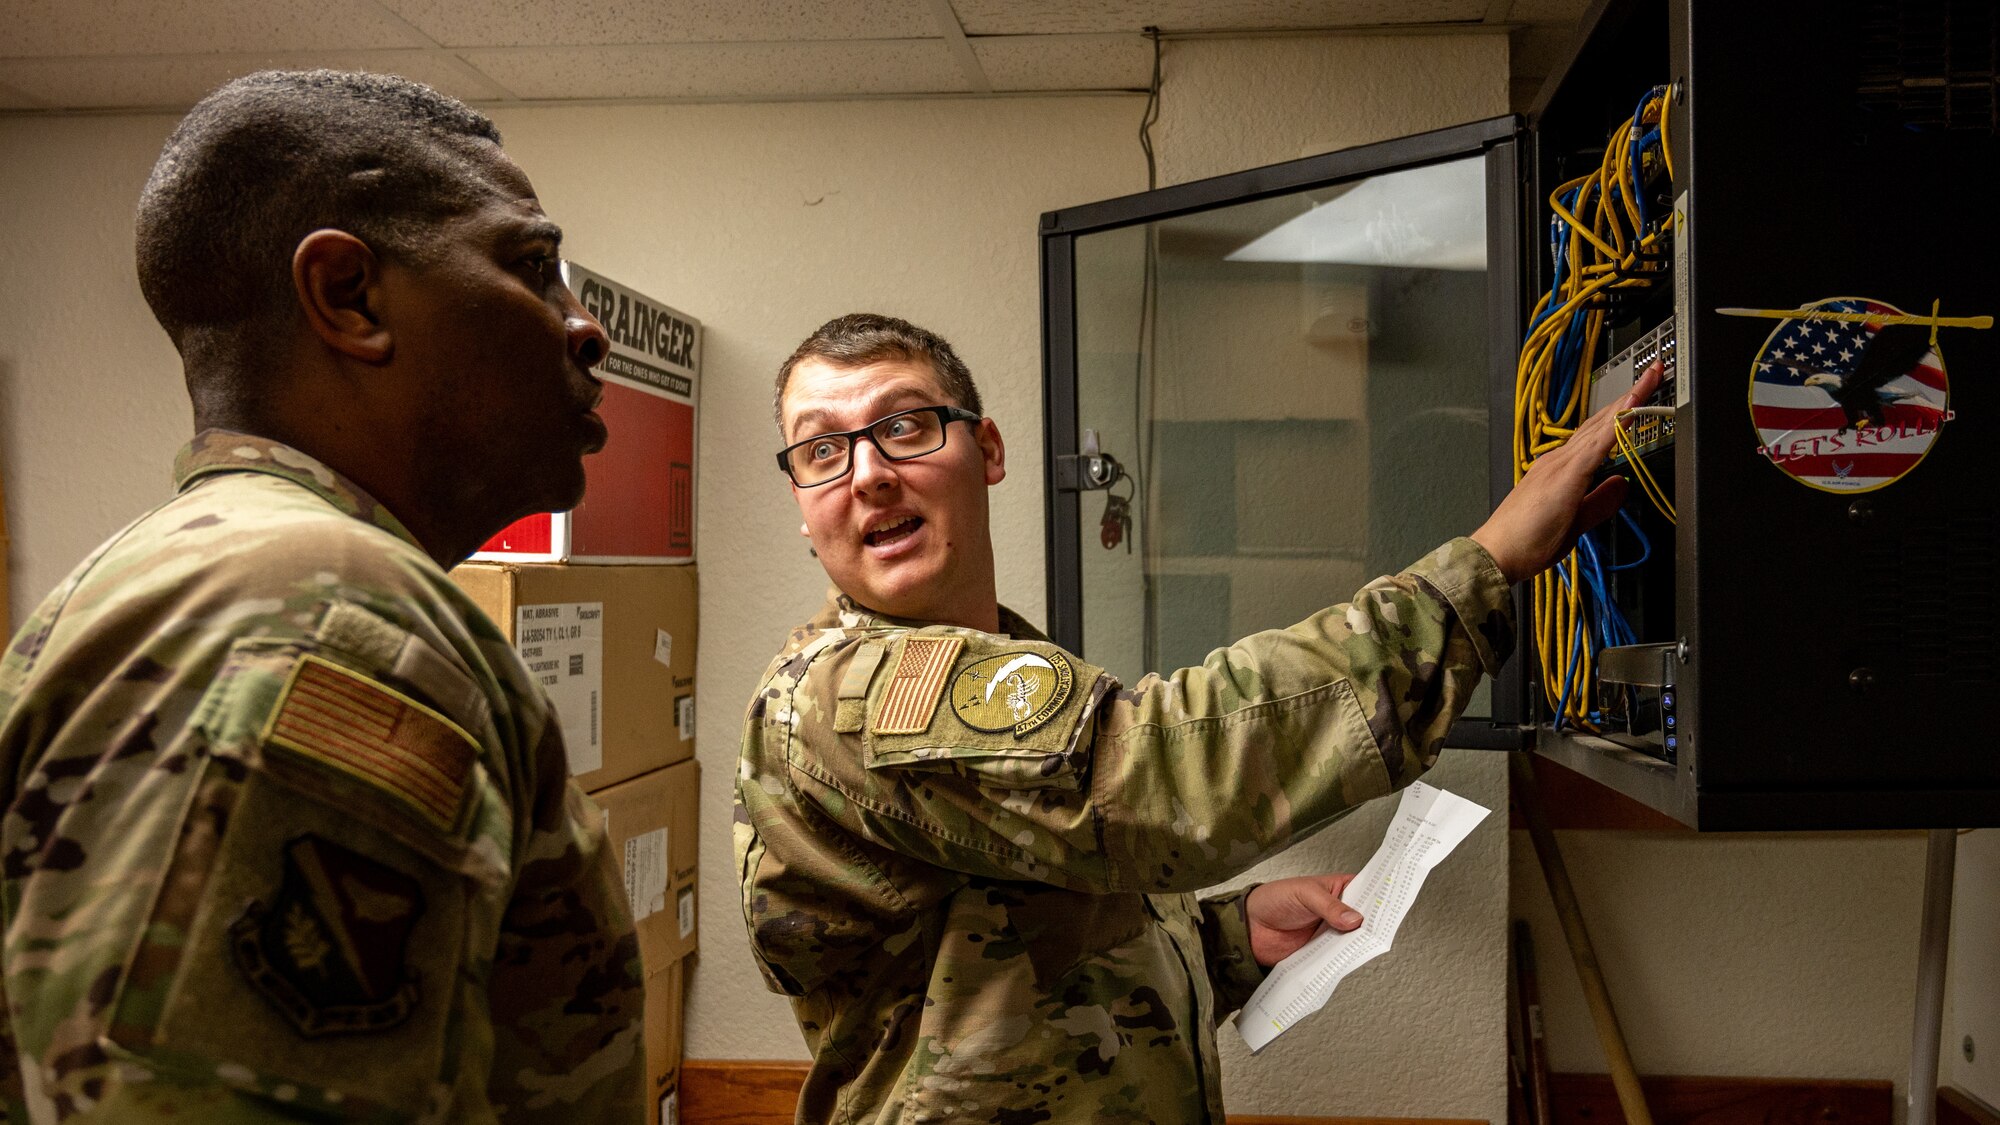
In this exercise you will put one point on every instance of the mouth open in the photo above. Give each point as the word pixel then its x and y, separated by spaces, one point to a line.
pixel 893 533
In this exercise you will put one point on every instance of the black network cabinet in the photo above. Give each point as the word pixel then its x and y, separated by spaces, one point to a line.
pixel 1263 389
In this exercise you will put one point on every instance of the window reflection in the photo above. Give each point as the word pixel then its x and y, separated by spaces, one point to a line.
pixel 1297 387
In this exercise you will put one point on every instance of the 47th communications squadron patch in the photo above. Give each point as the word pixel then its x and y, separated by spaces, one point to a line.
pixel 1014 691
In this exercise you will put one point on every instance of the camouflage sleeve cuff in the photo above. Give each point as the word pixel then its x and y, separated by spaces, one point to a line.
pixel 1225 943
pixel 1468 579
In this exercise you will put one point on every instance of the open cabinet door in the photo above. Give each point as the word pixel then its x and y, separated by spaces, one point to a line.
pixel 1265 389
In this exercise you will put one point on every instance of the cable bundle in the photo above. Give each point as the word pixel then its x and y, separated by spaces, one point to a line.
pixel 1607 248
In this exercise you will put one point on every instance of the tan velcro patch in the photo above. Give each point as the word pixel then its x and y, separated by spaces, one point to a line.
pixel 375 733
pixel 912 695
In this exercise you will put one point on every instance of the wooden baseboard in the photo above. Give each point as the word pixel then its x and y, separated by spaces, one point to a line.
pixel 1588 1099
pixel 745 1092
pixel 735 1092
pixel 1243 1119
pixel 1955 1107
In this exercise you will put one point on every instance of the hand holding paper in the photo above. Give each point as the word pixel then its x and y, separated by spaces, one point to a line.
pixel 1429 823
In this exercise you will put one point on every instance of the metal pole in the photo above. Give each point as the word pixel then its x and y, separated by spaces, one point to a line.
pixel 1933 943
pixel 1624 1077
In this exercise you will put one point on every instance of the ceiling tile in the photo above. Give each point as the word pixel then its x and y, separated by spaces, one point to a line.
pixel 180 81
pixel 725 70
pixel 551 23
pixel 1066 62
pixel 1077 17
pixel 14 99
pixel 32 28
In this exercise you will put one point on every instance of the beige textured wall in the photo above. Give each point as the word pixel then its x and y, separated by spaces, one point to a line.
pixel 1232 104
pixel 91 404
pixel 1779 955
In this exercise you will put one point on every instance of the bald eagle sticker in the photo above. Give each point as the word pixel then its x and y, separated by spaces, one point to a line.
pixel 1014 691
pixel 1849 394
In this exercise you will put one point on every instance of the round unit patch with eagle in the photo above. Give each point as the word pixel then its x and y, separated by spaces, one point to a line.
pixel 1014 691
pixel 1843 402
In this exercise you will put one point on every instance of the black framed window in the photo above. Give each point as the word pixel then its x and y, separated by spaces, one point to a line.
pixel 1304 374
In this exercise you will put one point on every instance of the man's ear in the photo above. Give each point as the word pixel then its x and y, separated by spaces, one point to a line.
pixel 338 280
pixel 993 449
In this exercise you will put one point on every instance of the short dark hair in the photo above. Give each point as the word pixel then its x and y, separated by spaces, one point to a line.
pixel 270 157
pixel 859 339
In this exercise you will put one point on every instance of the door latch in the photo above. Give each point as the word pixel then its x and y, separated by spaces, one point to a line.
pixel 1088 470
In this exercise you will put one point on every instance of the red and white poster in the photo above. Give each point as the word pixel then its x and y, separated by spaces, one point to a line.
pixel 1848 394
pixel 639 491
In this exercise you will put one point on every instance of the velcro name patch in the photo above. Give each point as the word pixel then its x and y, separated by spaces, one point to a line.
pixel 376 734
pixel 912 695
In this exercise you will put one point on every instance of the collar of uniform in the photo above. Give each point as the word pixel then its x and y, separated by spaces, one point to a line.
pixel 843 612
pixel 226 451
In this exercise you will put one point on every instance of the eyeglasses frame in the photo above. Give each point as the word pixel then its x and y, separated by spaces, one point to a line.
pixel 946 416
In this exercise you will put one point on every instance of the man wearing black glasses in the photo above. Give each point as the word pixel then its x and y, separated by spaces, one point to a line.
pixel 968 855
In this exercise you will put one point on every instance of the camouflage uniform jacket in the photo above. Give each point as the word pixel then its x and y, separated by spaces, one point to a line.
pixel 967 858
pixel 288 833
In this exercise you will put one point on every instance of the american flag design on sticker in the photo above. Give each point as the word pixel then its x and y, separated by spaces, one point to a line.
pixel 373 733
pixel 1843 403
pixel 914 689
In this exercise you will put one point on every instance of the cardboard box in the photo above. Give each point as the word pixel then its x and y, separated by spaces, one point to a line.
pixel 614 646
pixel 665 992
pixel 638 499
pixel 654 824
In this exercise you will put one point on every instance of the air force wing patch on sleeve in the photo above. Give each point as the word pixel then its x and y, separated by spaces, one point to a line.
pixel 353 724
pixel 1014 691
pixel 328 947
pixel 912 696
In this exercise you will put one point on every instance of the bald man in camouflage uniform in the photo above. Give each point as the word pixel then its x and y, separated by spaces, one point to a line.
pixel 288 830
pixel 968 855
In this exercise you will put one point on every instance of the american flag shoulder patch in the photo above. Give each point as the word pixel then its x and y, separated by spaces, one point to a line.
pixel 375 734
pixel 917 684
